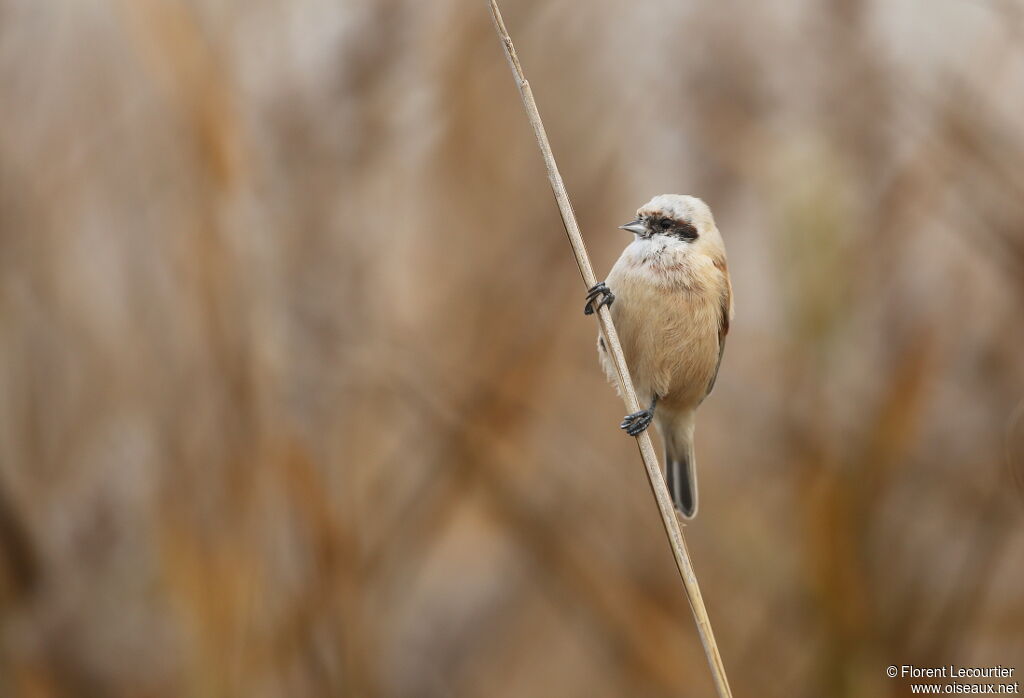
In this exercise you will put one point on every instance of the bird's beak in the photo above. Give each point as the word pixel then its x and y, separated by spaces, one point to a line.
pixel 636 226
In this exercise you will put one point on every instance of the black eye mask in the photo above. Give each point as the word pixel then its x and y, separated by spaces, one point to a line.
pixel 674 228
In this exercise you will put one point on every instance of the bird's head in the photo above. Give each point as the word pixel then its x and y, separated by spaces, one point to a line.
pixel 679 220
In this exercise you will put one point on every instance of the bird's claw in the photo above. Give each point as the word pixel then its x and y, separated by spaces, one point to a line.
pixel 637 422
pixel 602 294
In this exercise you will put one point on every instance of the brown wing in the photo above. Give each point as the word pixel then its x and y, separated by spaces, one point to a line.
pixel 724 312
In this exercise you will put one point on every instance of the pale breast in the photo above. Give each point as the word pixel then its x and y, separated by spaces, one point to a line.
pixel 667 318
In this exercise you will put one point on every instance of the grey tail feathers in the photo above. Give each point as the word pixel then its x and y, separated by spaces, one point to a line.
pixel 682 478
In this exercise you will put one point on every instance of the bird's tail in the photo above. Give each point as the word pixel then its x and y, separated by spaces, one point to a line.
pixel 682 470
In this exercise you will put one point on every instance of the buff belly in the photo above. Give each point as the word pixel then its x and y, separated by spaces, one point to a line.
pixel 669 334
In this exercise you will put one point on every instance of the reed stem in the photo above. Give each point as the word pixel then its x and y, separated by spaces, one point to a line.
pixel 650 459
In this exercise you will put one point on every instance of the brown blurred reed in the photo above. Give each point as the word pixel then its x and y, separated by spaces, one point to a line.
pixel 296 399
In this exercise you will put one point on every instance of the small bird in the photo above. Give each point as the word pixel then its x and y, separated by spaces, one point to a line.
pixel 670 298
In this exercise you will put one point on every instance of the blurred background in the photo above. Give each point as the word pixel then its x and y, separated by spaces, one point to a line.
pixel 297 397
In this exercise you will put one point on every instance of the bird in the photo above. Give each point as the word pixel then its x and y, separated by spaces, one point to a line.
pixel 670 299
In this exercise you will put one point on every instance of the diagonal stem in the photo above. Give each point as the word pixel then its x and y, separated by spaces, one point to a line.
pixel 650 459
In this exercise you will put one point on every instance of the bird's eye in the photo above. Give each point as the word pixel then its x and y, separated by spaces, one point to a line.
pixel 665 224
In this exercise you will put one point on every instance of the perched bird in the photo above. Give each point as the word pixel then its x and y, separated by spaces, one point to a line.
pixel 671 301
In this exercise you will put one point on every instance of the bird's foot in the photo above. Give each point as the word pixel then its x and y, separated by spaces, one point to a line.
pixel 599 293
pixel 637 422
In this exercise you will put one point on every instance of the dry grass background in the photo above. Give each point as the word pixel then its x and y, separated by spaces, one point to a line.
pixel 296 397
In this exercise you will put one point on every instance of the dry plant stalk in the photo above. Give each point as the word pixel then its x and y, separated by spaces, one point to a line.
pixel 650 459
